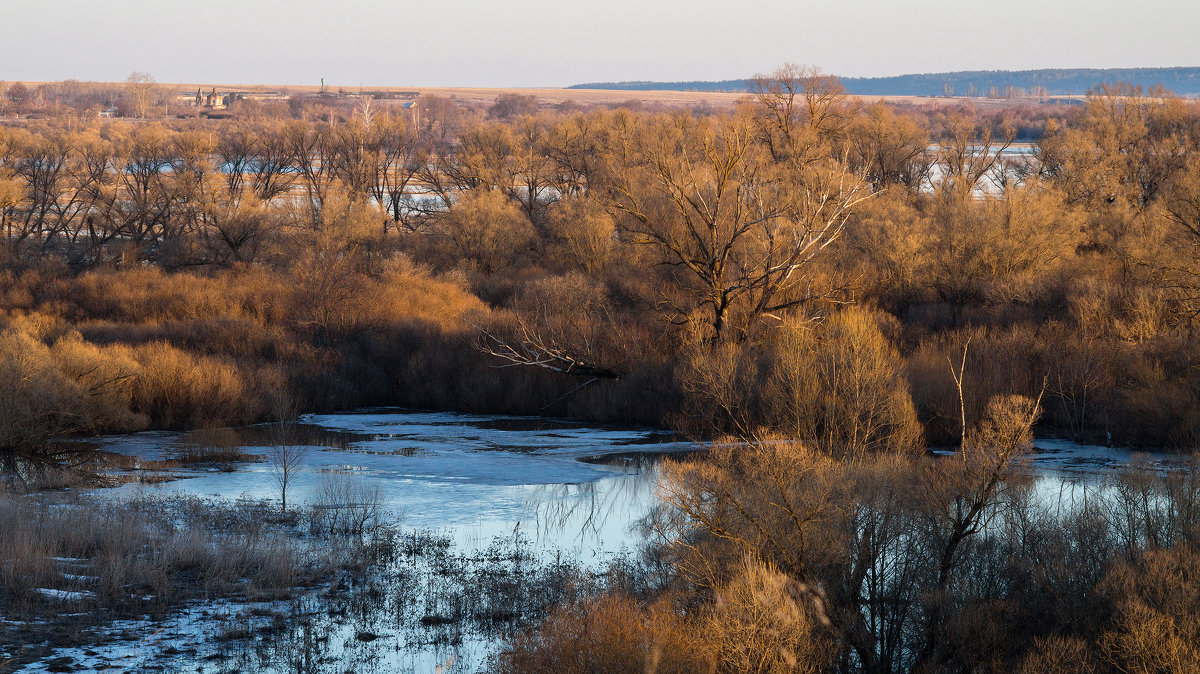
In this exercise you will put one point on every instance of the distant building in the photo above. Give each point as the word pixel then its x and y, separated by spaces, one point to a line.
pixel 215 101
pixel 209 101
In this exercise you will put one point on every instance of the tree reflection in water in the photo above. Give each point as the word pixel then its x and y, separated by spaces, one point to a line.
pixel 583 515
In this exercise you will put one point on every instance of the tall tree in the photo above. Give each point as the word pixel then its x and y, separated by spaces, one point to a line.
pixel 142 91
pixel 741 227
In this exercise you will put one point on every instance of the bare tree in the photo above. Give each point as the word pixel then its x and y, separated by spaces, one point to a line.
pixel 741 227
pixel 510 106
pixel 969 151
pixel 875 545
pixel 890 148
pixel 795 101
pixel 286 462
pixel 310 149
pixel 1182 204
pixel 564 327
pixel 19 96
pixel 142 92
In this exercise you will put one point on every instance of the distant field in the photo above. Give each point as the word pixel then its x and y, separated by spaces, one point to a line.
pixel 678 98
pixel 667 97
pixel 553 96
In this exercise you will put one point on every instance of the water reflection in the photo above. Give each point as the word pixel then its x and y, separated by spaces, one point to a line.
pixel 569 487
pixel 64 466
pixel 598 515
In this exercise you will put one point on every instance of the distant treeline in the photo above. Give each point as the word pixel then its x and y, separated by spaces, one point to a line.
pixel 982 83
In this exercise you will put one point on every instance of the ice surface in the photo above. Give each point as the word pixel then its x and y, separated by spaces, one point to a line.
pixel 474 476
pixel 1063 458
pixel 64 595
pixel 478 476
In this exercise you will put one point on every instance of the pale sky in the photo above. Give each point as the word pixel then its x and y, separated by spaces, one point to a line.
pixel 557 42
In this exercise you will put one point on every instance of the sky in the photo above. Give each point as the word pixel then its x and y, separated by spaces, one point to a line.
pixel 552 43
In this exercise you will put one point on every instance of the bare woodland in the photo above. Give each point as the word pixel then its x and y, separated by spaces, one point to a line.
pixel 828 286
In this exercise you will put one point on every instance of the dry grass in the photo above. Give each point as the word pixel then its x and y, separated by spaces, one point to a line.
pixel 345 505
pixel 72 563
pixel 136 554
pixel 607 634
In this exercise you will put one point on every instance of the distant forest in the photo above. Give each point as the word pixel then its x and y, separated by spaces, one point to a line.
pixel 982 83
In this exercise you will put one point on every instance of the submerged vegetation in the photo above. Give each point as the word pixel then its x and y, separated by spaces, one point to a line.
pixel 73 563
pixel 829 286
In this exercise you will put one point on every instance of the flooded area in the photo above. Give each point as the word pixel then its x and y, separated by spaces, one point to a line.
pixel 472 477
pixel 490 497
pixel 480 502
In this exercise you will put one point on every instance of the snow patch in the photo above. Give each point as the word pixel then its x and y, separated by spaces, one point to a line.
pixel 64 595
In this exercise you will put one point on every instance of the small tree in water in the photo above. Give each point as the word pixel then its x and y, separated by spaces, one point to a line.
pixel 286 460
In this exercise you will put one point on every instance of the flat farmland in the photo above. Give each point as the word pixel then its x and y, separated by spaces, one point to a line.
pixel 485 96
